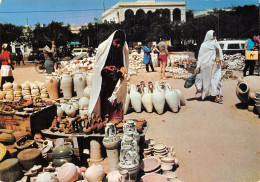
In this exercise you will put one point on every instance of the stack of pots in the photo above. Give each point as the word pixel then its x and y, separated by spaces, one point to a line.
pixel 257 102
pixel 35 92
pixel 17 91
pixel 68 106
pixel 26 93
pixel 62 155
pixel 8 90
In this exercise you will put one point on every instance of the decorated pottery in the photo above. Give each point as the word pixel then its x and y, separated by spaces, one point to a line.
pixel 135 97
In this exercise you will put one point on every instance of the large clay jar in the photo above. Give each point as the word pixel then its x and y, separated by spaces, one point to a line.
pixel 68 172
pixel 172 98
pixel 79 83
pixel 30 157
pixel 127 100
pixel 7 137
pixel 89 78
pixel 60 111
pixel 70 110
pixel 95 173
pixel 135 97
pixel 10 170
pixel 87 91
pixel 66 85
pixel 51 84
pixel 147 100
pixel 158 98
pixel 246 89
pixel 181 96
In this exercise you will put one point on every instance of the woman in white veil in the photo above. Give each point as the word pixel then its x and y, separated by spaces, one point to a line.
pixel 108 81
pixel 208 79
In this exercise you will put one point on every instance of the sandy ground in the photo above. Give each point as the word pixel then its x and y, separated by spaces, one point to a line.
pixel 214 142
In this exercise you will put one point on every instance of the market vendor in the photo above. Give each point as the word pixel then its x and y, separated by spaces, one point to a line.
pixel 108 80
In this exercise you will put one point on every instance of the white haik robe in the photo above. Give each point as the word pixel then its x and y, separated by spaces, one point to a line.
pixel 209 81
pixel 101 57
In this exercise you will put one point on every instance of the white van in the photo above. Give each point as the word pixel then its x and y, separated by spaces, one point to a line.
pixel 232 46
pixel 79 51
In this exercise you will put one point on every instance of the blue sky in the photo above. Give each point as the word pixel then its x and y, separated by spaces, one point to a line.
pixel 82 11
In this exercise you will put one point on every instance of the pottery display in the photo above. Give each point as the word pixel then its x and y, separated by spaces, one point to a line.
pixel 158 98
pixel 10 170
pixel 83 102
pixel 51 84
pixel 62 154
pixel 7 86
pixel 136 98
pixel 66 85
pixel 79 83
pixel 114 176
pixel 46 176
pixel 170 175
pixel 30 157
pixel 63 104
pixel 150 164
pixel 147 100
pixel 95 151
pixel 95 173
pixel 166 166
pixel 89 78
pixel 153 177
pixel 83 111
pixel 2 95
pixel 172 98
pixel 7 137
pixel 60 111
pixel 87 91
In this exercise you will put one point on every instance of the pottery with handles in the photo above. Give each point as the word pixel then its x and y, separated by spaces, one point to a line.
pixel 147 100
pixel 172 98
pixel 66 85
pixel 79 81
pixel 135 97
pixel 158 98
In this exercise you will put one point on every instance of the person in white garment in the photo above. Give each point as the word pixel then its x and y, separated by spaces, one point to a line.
pixel 208 80
pixel 109 83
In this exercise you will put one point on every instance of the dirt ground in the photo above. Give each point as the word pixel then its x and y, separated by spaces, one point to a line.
pixel 214 142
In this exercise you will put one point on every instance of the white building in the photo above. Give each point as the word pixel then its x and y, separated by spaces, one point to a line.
pixel 206 12
pixel 120 11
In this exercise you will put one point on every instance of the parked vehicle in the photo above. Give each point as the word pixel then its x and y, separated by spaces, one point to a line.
pixel 232 46
pixel 79 51
pixel 36 56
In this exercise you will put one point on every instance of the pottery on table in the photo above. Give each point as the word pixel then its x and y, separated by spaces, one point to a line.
pixel 153 177
pixel 46 176
pixel 66 85
pixel 150 164
pixel 95 151
pixel 63 105
pixel 62 154
pixel 136 98
pixel 68 172
pixel 147 100
pixel 158 98
pixel 70 110
pixel 10 170
pixel 2 95
pixel 83 102
pixel 114 176
pixel 89 78
pixel 30 157
pixel 95 173
pixel 7 86
pixel 60 111
pixel 168 159
pixel 51 84
pixel 87 91
pixel 166 166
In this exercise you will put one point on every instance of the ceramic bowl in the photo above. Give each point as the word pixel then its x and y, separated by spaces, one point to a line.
pixel 159 146
pixel 150 164
pixel 167 159
pixel 170 174
pixel 153 177
pixel 166 166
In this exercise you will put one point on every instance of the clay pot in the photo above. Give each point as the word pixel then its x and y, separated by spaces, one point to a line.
pixel 7 86
pixel 95 173
pixel 62 154
pixel 7 137
pixel 35 92
pixel 10 170
pixel 68 172
pixel 147 100
pixel 83 111
pixel 44 95
pixel 135 97
pixel 2 95
pixel 9 97
pixel 114 176
pixel 75 104
pixel 89 78
pixel 66 85
pixel 46 176
pixel 51 84
pixel 172 98
pixel 30 157
pixel 158 98
pixel 181 96
pixel 95 151
pixel 27 97
pixel 83 102
pixel 87 91
pixel 70 110
pixel 153 177
pixel 79 83
pixel 26 92
pixel 63 105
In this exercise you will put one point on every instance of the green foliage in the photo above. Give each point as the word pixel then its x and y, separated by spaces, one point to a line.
pixel 11 33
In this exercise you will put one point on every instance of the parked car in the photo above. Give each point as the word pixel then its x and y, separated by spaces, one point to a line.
pixel 79 51
pixel 232 46
pixel 36 56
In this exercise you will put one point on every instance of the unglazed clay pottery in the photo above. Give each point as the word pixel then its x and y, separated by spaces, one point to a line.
pixel 30 157
pixel 127 100
pixel 9 97
pixel 67 173
pixel 63 105
pixel 114 176
pixel 7 137
pixel 153 177
pixel 170 175
pixel 87 91
pixel 89 78
pixel 83 102
pixel 147 100
pixel 181 96
pixel 135 97
pixel 27 97
pixel 95 173
pixel 10 170
pixel 59 111
pixel 7 86
pixel 247 87
pixel 95 151
pixel 2 95
pixel 70 110
pixel 168 159
pixel 46 176
pixel 166 166
pixel 150 164
pixel 158 98
pixel 51 84
pixel 66 85
pixel 35 92
pixel 83 111
pixel 172 98
pixel 79 83
pixel 75 103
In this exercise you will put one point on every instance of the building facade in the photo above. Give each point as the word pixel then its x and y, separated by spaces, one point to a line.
pixel 119 12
